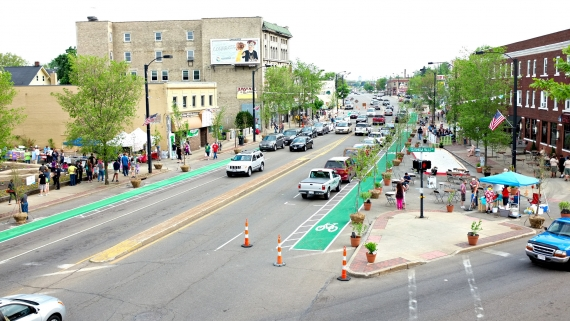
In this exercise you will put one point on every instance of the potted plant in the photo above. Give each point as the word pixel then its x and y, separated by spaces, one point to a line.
pixel 364 161
pixel 424 140
pixel 366 198
pixel 487 171
pixel 357 230
pixel 473 236
pixel 564 209
pixel 237 150
pixel 389 165
pixel 417 144
pixel 371 249
pixel 387 177
pixel 534 219
pixel 396 161
pixel 135 181
pixel 377 191
pixel 449 200
pixel 19 189
pixel 479 168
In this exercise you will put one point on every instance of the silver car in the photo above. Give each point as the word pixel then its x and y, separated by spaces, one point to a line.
pixel 32 307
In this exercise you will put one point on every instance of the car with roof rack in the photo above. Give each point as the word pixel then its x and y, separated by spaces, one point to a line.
pixel 245 162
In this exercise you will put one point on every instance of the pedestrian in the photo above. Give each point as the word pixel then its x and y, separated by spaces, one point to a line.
pixel 553 166
pixel 125 164
pixel 506 193
pixel 475 189
pixel 24 203
pixel 207 149
pixel 463 191
pixel 186 148
pixel 420 132
pixel 38 156
pixel 567 168
pixel 79 172
pixel 12 191
pixel 71 170
pixel 178 154
pixel 215 150
pixel 489 197
pixel 42 184
pixel 55 156
pixel 89 171
pixel 34 156
pixel 56 176
pixel 101 168
pixel 48 155
pixel 47 173
pixel 281 127
pixel 399 196
pixel 116 168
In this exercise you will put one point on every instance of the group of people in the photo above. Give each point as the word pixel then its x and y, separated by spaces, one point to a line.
pixel 561 164
pixel 401 189
pixel 213 149
pixel 33 155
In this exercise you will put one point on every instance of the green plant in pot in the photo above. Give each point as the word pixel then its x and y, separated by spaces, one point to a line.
pixel 449 206
pixel 387 177
pixel 365 196
pixel 357 230
pixel 479 168
pixel 371 249
pixel 564 209
pixel 473 236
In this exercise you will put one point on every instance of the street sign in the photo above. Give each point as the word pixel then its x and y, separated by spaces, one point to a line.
pixel 421 149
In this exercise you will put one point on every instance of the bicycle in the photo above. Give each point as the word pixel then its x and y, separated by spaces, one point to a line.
pixel 330 227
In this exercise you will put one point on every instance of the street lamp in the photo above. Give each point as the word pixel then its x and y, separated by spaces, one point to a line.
pixel 148 146
pixel 516 76
pixel 336 87
pixel 253 96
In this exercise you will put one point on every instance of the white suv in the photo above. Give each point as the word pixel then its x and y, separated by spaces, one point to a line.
pixel 245 163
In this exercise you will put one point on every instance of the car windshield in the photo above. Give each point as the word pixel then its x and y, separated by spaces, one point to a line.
pixel 319 125
pixel 559 228
pixel 371 110
pixel 270 137
pixel 307 129
pixel 242 158
pixel 343 124
pixel 361 125
pixel 334 164
pixel 299 140
pixel 368 141
pixel 290 132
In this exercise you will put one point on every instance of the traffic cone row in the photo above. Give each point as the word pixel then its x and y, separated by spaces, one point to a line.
pixel 343 276
pixel 279 258
pixel 246 241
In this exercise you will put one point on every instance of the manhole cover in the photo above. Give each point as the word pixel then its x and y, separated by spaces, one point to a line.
pixel 148 316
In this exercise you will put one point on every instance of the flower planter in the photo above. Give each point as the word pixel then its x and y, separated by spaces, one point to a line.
pixel 536 221
pixel 479 169
pixel 357 217
pixel 237 150
pixel 371 257
pixel 185 168
pixel 157 165
pixel 396 162
pixel 355 241
pixel 20 218
pixel 387 181
pixel 564 214
pixel 472 239
pixel 449 208
pixel 486 174
pixel 136 182
pixel 375 194
pixel 367 206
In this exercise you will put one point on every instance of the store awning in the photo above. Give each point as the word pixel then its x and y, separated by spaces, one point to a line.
pixel 193 123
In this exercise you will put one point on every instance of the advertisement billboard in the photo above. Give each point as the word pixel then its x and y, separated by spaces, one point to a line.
pixel 240 51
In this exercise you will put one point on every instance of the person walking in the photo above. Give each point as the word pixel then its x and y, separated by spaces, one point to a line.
pixel 489 197
pixel 116 168
pixel 71 170
pixel 186 149
pixel 215 150
pixel 125 165
pixel 399 196
pixel 207 149
pixel 567 168
pixel 420 132
pixel 101 168
pixel 24 203
pixel 12 192
pixel 178 154
pixel 463 191
pixel 553 166
pixel 56 176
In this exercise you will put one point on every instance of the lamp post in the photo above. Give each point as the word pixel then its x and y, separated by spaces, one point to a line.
pixel 148 146
pixel 336 87
pixel 514 127
pixel 253 96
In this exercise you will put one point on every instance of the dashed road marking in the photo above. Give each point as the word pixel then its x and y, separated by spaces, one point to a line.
pixel 79 270
pixel 479 312
pixel 499 253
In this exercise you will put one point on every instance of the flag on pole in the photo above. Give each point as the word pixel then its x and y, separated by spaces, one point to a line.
pixel 497 120
pixel 150 119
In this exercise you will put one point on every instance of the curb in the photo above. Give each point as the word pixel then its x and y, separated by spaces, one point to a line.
pixel 398 267
pixel 478 247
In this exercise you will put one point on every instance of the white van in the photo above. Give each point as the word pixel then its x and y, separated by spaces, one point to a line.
pixel 370 112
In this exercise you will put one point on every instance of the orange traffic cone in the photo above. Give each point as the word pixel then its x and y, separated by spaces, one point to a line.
pixel 279 258
pixel 343 276
pixel 246 241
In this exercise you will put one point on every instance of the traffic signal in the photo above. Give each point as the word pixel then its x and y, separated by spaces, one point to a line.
pixel 426 165
pixel 416 164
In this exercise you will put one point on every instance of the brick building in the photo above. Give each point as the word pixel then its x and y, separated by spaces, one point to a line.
pixel 396 86
pixel 541 119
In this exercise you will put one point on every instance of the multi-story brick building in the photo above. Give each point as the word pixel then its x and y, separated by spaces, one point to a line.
pixel 541 119
pixel 397 85
pixel 224 51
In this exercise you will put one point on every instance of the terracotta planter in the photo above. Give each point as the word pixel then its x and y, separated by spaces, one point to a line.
pixel 479 169
pixel 370 257
pixel 536 221
pixel 408 152
pixel 185 168
pixel 20 218
pixel 379 189
pixel 472 239
pixel 136 183
pixel 367 206
pixel 387 181
pixel 396 162
pixel 417 144
pixel 355 241
pixel 564 214
pixel 449 208
pixel 237 150
pixel 357 217
pixel 409 140
pixel 157 165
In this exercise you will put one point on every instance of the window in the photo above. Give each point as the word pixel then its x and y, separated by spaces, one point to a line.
pixel 534 68
pixel 519 98
pixel 185 75
pixel 544 132
pixel 506 68
pixel 158 56
pixel 533 98
pixel 519 71
pixel 110 37
pixel 158 36
pixel 511 69
pixel 567 104
pixel 190 55
pixel 110 55
pixel 127 56
pixel 196 75
pixel 154 75
pixel 174 101
pixel 553 132
pixel 543 99
pixel 555 107
pixel 556 66
pixel 527 97
pixel 165 75
pixel 528 68
pixel 37 78
pixel 211 100
pixel 511 98
pixel 127 37
pixel 133 72
pixel 566 141
pixel 545 67
pixel 184 102
pixel 190 35
pixel 202 100
pixel 193 101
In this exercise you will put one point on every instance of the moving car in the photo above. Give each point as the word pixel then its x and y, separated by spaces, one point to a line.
pixel 361 119
pixel 349 106
pixel 343 128
pixel 33 307
pixel 552 245
pixel 354 115
pixel 289 135
pixel 321 128
pixel 370 112
pixel 329 125
pixel 301 143
pixel 343 166
pixel 245 163
pixel 321 181
pixel 362 129
pixel 388 112
pixel 309 131
pixel 378 119
pixel 272 142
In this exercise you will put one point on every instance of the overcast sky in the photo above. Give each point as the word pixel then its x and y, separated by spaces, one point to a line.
pixel 368 38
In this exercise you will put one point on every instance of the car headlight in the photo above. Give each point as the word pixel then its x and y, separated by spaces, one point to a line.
pixel 560 253
pixel 530 246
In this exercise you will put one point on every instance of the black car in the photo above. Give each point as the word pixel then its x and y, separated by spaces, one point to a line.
pixel 354 115
pixel 361 119
pixel 272 142
pixel 321 128
pixel 309 131
pixel 301 143
pixel 290 134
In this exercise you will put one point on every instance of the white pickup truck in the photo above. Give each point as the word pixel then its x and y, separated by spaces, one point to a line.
pixel 321 181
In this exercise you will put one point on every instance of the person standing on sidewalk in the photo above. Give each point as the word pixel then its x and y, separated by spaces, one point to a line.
pixel 215 150
pixel 399 196
pixel 72 171
pixel 24 203
pixel 12 191
pixel 178 154
pixel 553 166
pixel 489 197
pixel 125 165
pixel 116 168
pixel 475 190
pixel 79 172
pixel 567 168
pixel 207 149
pixel 506 193
pixel 463 191
pixel 101 168
pixel 56 176
pixel 42 184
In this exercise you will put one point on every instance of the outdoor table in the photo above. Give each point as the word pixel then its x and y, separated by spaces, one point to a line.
pixel 390 193
pixel 520 160
pixel 530 164
pixel 443 184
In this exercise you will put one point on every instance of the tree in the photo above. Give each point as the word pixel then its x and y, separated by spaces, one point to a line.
pixel 381 84
pixel 217 122
pixel 11 60
pixel 243 120
pixel 105 102
pixel 556 90
pixel 342 90
pixel 278 93
pixel 181 129
pixel 329 75
pixel 308 80
pixel 368 87
pixel 62 65
pixel 9 117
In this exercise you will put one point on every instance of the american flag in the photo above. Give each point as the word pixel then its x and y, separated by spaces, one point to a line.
pixel 497 120
pixel 150 119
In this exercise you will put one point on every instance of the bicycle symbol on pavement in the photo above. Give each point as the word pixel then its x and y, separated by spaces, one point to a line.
pixel 330 227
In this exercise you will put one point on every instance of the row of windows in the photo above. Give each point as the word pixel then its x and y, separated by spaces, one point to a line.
pixel 157 36
pixel 128 56
pixel 164 75
pixel 531 98
pixel 193 100
pixel 531 66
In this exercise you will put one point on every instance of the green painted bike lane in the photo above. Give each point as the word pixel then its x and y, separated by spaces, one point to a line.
pixel 319 240
pixel 54 219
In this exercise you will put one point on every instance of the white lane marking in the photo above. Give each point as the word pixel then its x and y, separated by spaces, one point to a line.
pixel 499 253
pixel 92 227
pixel 412 290
pixel 479 313
pixel 287 203
pixel 79 270
pixel 228 242
pixel 296 195
pixel 316 253
pixel 65 266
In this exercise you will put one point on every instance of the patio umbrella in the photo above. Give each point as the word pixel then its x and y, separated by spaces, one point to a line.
pixel 510 178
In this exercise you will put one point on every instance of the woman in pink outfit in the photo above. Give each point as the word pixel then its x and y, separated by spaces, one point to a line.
pixel 399 196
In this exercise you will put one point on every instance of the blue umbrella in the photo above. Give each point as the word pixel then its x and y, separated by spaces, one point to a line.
pixel 511 179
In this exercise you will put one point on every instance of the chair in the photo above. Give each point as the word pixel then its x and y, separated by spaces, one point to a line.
pixel 535 199
pixel 438 196
pixel 391 199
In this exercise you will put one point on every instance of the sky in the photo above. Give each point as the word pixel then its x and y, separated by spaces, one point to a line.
pixel 368 38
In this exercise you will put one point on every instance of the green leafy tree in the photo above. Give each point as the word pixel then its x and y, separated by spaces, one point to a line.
pixel 181 128
pixel 217 122
pixel 381 83
pixel 556 90
pixel 329 75
pixel 308 80
pixel 62 65
pixel 9 117
pixel 11 60
pixel 368 87
pixel 243 120
pixel 364 161
pixel 278 93
pixel 342 90
pixel 105 102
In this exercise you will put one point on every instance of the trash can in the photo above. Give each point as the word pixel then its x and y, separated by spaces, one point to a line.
pixel 240 140
pixel 477 152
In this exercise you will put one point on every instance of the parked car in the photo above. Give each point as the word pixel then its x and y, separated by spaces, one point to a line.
pixel 388 112
pixel 329 125
pixel 33 307
pixel 354 115
pixel 362 129
pixel 321 181
pixel 348 106
pixel 290 134
pixel 301 143
pixel 310 131
pixel 378 119
pixel 272 142
pixel 321 128
pixel 370 112
pixel 361 119
pixel 245 163
pixel 343 128
pixel 552 245
pixel 343 166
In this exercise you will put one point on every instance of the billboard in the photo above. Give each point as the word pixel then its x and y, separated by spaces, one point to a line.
pixel 239 51
pixel 245 93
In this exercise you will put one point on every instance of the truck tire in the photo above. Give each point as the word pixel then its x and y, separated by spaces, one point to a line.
pixel 327 194
pixel 261 167
pixel 337 189
pixel 248 171
pixel 304 196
